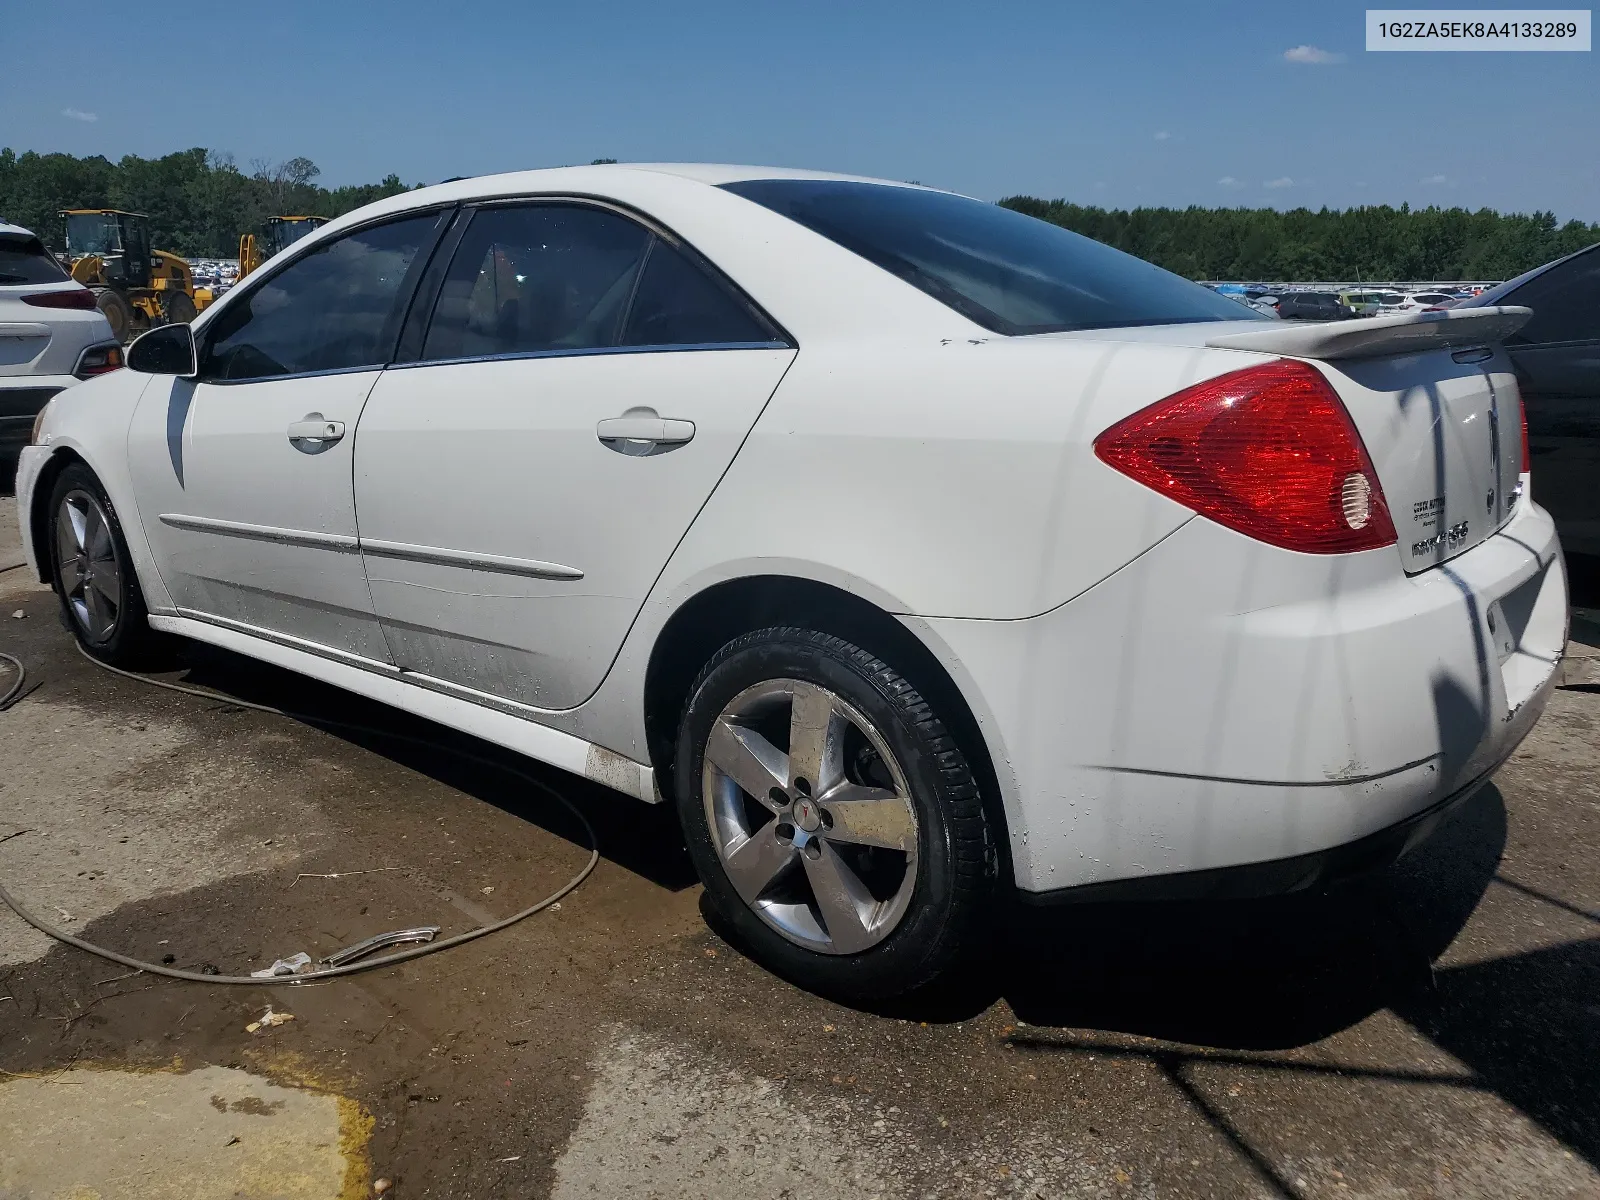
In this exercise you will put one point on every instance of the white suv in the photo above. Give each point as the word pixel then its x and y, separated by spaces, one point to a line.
pixel 51 334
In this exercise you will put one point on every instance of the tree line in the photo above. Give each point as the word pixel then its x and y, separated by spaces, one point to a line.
pixel 1373 242
pixel 200 201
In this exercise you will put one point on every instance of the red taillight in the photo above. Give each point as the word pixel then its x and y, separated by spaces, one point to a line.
pixel 1269 451
pixel 80 297
pixel 99 359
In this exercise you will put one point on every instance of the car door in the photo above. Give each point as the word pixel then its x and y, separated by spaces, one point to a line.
pixel 1557 359
pixel 582 382
pixel 244 473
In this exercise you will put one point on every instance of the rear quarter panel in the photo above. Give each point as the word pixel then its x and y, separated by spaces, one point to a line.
pixel 943 479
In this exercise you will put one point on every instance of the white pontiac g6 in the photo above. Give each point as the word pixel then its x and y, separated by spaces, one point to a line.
pixel 917 551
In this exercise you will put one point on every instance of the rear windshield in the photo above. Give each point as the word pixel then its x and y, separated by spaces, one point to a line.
pixel 23 259
pixel 1009 273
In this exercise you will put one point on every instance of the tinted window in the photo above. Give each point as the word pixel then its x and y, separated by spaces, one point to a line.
pixel 537 277
pixel 336 308
pixel 25 260
pixel 679 304
pixel 1007 272
pixel 1565 302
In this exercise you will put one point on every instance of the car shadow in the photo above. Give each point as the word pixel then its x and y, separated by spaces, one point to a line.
pixel 1243 981
pixel 1258 974
pixel 642 838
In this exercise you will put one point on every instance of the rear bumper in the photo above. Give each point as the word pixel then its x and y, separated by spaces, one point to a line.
pixel 1218 703
pixel 1276 877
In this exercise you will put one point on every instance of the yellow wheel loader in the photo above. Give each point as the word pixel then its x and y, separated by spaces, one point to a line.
pixel 137 288
pixel 279 234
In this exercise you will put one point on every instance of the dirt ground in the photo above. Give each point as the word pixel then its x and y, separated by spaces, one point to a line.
pixel 1430 1031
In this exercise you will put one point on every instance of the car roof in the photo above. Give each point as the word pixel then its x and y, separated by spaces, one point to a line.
pixel 713 174
pixel 15 230
pixel 720 173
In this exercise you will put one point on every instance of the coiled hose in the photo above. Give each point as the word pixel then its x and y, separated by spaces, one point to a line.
pixel 61 935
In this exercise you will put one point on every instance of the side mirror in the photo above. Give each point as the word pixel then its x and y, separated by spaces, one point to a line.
pixel 165 350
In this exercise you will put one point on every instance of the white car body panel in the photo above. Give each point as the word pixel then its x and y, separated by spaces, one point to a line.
pixel 513 468
pixel 1219 702
pixel 244 525
pixel 1155 693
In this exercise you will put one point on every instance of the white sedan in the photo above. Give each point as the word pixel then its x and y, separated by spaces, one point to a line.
pixel 918 551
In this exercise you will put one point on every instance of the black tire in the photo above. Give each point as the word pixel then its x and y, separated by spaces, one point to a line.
pixel 954 881
pixel 178 308
pixel 114 306
pixel 125 639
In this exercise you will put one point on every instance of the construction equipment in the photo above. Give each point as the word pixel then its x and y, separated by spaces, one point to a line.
pixel 137 288
pixel 278 234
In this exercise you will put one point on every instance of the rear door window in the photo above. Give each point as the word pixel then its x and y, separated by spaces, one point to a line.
pixel 335 309
pixel 679 303
pixel 554 278
pixel 537 278
pixel 24 260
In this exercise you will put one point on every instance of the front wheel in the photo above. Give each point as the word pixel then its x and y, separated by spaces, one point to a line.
pixel 178 308
pixel 94 577
pixel 833 819
pixel 114 307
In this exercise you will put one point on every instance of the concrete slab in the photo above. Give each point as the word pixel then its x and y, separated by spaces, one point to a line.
pixel 84 1134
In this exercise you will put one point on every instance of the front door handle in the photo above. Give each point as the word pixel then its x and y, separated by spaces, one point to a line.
pixel 640 432
pixel 314 433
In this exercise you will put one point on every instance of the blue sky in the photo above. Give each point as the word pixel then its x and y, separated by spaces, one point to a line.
pixel 1113 103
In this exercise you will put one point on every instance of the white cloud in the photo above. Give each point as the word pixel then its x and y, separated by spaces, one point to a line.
pixel 1314 55
pixel 1163 136
pixel 1282 181
pixel 1435 179
pixel 77 114
pixel 1228 181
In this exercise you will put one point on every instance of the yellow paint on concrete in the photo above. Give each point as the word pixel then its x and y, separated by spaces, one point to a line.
pixel 215 1132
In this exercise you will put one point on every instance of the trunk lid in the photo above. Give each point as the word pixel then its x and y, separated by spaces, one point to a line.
pixel 1436 403
pixel 1444 432
pixel 1434 399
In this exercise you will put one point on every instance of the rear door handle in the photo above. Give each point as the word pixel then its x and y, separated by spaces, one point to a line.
pixel 640 432
pixel 314 433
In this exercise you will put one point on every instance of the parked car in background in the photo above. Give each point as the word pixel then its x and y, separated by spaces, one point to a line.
pixel 51 334
pixel 1312 306
pixel 1557 360
pixel 1362 304
pixel 1418 301
pixel 918 551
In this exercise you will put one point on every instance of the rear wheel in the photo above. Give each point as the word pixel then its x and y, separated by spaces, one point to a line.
pixel 833 820
pixel 94 576
pixel 115 309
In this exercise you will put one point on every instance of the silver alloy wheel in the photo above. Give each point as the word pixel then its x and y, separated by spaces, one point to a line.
pixel 819 838
pixel 90 577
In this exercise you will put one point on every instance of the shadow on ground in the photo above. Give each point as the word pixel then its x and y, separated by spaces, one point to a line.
pixel 644 839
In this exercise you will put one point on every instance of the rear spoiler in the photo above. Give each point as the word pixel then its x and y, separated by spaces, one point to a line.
pixel 1369 337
